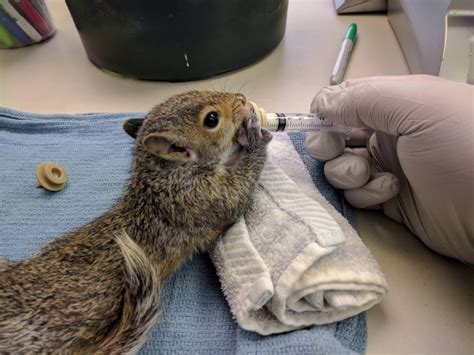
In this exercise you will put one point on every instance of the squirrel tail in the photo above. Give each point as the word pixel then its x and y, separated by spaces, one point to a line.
pixel 141 301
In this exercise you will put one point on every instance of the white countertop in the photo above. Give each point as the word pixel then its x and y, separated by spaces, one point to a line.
pixel 430 305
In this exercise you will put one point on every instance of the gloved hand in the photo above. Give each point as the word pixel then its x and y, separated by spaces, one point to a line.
pixel 419 162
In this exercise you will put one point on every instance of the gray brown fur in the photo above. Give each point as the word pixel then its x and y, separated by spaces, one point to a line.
pixel 96 289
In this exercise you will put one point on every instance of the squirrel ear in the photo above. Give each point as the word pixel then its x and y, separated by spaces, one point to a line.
pixel 164 145
pixel 132 125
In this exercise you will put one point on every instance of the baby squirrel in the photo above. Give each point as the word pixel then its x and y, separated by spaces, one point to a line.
pixel 197 158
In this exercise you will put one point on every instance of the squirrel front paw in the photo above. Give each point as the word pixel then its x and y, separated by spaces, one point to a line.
pixel 251 135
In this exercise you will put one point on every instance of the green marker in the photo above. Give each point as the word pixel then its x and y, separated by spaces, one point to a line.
pixel 5 37
pixel 344 55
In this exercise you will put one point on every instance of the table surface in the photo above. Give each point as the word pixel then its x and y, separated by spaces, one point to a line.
pixel 430 304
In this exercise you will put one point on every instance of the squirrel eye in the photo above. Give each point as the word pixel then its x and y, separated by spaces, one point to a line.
pixel 211 120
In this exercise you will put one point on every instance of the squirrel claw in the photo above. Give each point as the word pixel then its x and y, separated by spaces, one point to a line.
pixel 251 135
pixel 267 136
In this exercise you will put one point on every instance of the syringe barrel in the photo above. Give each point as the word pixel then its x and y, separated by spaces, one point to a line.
pixel 298 122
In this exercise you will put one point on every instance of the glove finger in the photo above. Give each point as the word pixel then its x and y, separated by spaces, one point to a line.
pixel 324 145
pixel 348 171
pixel 382 188
pixel 395 105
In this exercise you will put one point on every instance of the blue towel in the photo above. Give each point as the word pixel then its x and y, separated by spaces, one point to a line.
pixel 97 155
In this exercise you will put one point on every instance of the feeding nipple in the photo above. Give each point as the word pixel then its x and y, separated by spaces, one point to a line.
pixel 51 176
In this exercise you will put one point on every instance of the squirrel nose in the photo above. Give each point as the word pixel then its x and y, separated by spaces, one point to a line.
pixel 241 98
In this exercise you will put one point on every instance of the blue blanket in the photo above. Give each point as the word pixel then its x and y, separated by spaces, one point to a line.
pixel 97 155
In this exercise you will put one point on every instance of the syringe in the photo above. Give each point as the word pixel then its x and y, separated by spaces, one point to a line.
pixel 297 122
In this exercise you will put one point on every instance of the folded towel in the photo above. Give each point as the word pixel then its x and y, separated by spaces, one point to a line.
pixel 292 260
pixel 97 155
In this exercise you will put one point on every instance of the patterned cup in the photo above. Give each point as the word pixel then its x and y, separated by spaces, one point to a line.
pixel 24 22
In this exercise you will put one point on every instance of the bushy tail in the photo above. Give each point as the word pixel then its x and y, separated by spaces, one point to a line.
pixel 141 303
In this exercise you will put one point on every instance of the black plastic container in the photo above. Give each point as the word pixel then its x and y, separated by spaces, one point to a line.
pixel 177 40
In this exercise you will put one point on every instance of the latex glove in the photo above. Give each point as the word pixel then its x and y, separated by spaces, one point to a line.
pixel 421 153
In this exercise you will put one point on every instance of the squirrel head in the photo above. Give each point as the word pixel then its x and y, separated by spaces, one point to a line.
pixel 197 126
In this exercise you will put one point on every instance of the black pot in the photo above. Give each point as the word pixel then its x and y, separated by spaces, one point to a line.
pixel 177 40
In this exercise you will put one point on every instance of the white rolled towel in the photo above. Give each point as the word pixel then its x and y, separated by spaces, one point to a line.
pixel 293 261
